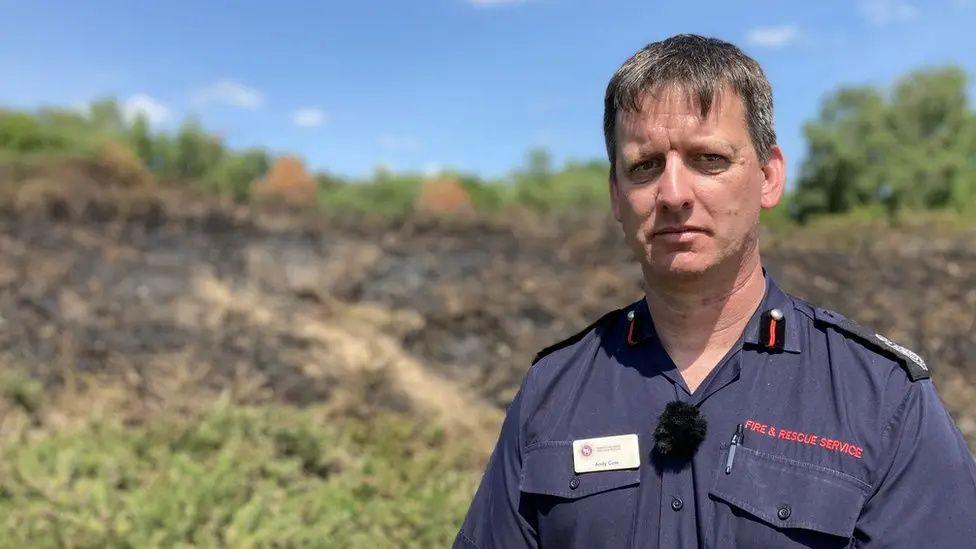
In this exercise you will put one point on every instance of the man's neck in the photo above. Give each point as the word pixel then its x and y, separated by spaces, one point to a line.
pixel 698 321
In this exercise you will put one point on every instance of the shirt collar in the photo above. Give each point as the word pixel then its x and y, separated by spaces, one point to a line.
pixel 774 298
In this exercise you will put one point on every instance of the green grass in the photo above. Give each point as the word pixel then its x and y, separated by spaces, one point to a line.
pixel 236 477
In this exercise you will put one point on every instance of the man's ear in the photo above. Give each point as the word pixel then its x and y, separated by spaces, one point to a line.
pixel 774 178
pixel 614 196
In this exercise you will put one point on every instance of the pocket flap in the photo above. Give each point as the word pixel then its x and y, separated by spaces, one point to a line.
pixel 548 469
pixel 786 493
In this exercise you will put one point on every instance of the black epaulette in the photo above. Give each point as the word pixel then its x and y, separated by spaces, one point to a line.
pixel 913 364
pixel 572 339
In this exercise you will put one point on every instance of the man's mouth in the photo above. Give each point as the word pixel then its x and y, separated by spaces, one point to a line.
pixel 679 231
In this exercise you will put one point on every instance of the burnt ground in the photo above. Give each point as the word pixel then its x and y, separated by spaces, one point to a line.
pixel 297 308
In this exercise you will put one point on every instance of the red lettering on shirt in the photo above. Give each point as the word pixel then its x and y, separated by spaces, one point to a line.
pixel 810 439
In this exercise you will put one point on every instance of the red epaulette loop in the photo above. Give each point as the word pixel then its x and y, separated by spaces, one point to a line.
pixel 630 330
pixel 772 334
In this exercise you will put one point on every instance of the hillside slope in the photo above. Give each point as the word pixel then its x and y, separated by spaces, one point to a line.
pixel 436 316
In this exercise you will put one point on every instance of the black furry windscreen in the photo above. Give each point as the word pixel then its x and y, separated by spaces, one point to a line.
pixel 680 430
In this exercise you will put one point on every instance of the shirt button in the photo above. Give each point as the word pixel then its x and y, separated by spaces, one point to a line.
pixel 677 504
pixel 574 483
pixel 783 512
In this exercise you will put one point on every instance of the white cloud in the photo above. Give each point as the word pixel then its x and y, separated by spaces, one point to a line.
pixel 155 112
pixel 229 92
pixel 886 12
pixel 309 117
pixel 392 142
pixel 773 37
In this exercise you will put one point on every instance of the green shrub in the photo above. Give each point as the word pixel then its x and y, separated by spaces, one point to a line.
pixel 236 172
pixel 22 391
pixel 488 197
pixel 23 133
pixel 389 195
pixel 197 152
pixel 236 477
pixel 577 186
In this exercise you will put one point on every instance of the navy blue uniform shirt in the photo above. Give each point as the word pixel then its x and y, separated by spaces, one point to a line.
pixel 846 444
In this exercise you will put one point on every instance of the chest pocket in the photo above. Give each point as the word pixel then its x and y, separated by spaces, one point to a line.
pixel 773 501
pixel 577 510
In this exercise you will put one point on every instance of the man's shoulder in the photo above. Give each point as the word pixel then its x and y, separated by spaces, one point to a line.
pixel 864 339
pixel 599 328
pixel 555 370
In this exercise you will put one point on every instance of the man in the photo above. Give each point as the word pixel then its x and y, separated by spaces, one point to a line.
pixel 718 411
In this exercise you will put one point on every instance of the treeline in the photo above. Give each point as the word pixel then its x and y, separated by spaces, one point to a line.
pixel 912 147
pixel 908 148
pixel 189 155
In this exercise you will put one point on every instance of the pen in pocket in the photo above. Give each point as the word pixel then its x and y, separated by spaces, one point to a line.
pixel 736 440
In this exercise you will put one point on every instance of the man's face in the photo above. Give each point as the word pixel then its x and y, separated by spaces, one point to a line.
pixel 687 189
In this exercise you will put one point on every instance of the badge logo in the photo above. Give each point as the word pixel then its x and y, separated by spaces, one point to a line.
pixel 606 453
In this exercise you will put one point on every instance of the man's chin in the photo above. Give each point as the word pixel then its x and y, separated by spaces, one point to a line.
pixel 680 272
pixel 679 266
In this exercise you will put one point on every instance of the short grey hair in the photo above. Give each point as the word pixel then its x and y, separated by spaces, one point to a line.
pixel 698 66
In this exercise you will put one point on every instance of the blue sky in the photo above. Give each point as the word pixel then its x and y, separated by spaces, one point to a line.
pixel 465 84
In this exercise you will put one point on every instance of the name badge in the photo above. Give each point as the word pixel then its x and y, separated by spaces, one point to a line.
pixel 606 453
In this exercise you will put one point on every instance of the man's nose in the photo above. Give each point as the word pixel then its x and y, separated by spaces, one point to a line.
pixel 675 190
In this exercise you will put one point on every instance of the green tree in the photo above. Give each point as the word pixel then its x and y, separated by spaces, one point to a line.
pixel 72 127
pixel 23 133
pixel 534 184
pixel 141 141
pixel 327 182
pixel 575 186
pixel 106 117
pixel 235 172
pixel 196 152
pixel 914 147
pixel 386 194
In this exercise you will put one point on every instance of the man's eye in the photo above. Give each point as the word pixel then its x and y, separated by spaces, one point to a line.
pixel 711 162
pixel 646 166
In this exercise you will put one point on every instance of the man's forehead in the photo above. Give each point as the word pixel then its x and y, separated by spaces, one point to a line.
pixel 682 101
pixel 678 109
